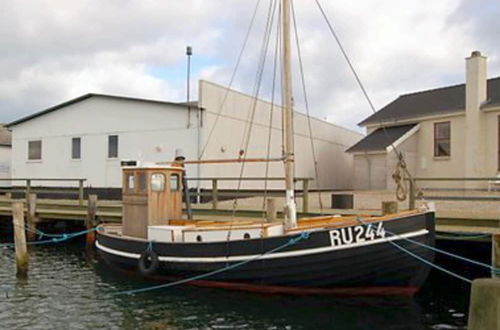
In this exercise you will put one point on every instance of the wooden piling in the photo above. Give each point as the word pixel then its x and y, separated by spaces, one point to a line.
pixel 215 197
pixel 31 215
pixel 484 304
pixel 390 207
pixel 495 254
pixel 271 210
pixel 90 221
pixel 305 195
pixel 20 239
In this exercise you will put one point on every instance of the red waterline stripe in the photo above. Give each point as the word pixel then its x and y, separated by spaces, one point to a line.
pixel 406 291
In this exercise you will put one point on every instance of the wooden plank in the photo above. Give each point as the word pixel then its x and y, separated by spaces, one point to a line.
pixel 20 239
pixel 90 221
pixel 215 197
pixel 31 213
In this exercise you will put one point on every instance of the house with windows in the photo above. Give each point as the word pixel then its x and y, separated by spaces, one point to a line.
pixel 452 131
pixel 89 137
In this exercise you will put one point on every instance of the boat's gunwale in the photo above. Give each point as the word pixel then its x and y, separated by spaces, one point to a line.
pixel 288 233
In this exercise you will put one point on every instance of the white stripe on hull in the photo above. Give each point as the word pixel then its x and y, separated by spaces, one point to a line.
pixel 266 256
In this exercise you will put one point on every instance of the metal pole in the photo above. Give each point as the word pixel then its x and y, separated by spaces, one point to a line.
pixel 291 219
pixel 189 52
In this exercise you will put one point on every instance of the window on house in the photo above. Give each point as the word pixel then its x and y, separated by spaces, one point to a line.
pixel 442 139
pixel 112 146
pixel 76 144
pixel 35 150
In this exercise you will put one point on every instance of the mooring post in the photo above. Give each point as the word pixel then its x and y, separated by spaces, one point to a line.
pixel 32 220
pixel 215 192
pixel 80 192
pixel 484 304
pixel 305 195
pixel 495 255
pixel 271 210
pixel 90 221
pixel 411 198
pixel 389 207
pixel 28 190
pixel 20 239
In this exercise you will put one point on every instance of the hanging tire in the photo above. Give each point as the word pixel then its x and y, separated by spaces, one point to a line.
pixel 148 262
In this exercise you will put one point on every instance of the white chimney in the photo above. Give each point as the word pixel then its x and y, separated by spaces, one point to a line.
pixel 475 81
pixel 475 96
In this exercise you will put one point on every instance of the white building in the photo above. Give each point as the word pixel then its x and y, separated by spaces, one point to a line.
pixel 451 131
pixel 5 147
pixel 88 136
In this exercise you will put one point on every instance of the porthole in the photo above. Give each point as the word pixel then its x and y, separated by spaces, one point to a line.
pixel 246 236
pixel 198 238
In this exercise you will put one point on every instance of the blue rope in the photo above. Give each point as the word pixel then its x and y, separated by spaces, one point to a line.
pixel 435 249
pixel 292 241
pixel 456 256
pixel 60 238
pixel 493 269
pixel 449 272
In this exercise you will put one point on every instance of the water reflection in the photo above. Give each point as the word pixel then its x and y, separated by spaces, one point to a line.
pixel 66 290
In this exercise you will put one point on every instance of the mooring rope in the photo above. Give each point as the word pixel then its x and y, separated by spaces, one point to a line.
pixel 291 241
pixel 416 256
pixel 60 238
pixel 456 256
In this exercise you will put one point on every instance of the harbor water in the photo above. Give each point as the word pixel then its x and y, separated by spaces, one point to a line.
pixel 67 290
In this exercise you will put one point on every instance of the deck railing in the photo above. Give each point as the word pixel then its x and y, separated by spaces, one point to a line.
pixel 214 192
pixel 27 187
pixel 412 188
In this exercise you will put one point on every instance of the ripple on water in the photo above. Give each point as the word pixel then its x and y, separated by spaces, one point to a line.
pixel 64 292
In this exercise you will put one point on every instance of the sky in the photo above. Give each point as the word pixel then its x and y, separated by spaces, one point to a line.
pixel 55 50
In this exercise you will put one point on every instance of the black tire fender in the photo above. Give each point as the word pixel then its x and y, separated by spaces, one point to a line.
pixel 148 262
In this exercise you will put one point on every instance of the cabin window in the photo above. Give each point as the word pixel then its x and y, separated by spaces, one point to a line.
pixel 35 150
pixel 112 146
pixel 130 182
pixel 142 182
pixel 76 144
pixel 442 139
pixel 174 182
pixel 158 182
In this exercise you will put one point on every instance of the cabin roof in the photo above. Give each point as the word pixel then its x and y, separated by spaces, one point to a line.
pixel 380 139
pixel 89 95
pixel 430 102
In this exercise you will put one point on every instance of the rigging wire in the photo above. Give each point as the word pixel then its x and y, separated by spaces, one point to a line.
pixel 246 137
pixel 401 189
pixel 306 103
pixel 271 110
pixel 233 75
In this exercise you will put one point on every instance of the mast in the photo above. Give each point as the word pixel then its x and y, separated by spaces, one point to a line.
pixel 287 98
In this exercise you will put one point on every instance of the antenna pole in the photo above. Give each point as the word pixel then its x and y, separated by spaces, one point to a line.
pixel 189 52
pixel 291 208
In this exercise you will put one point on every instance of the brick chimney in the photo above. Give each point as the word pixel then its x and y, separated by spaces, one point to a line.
pixel 475 95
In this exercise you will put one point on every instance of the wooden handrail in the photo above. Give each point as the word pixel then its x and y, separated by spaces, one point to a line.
pixel 223 161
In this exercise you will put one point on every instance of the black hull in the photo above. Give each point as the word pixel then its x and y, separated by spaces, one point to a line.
pixel 313 265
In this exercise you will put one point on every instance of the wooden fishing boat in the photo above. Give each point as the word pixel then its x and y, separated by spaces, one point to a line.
pixel 343 255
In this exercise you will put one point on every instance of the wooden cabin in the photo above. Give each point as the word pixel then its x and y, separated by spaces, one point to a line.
pixel 152 196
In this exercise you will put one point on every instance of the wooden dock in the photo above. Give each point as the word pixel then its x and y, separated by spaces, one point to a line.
pixel 47 210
